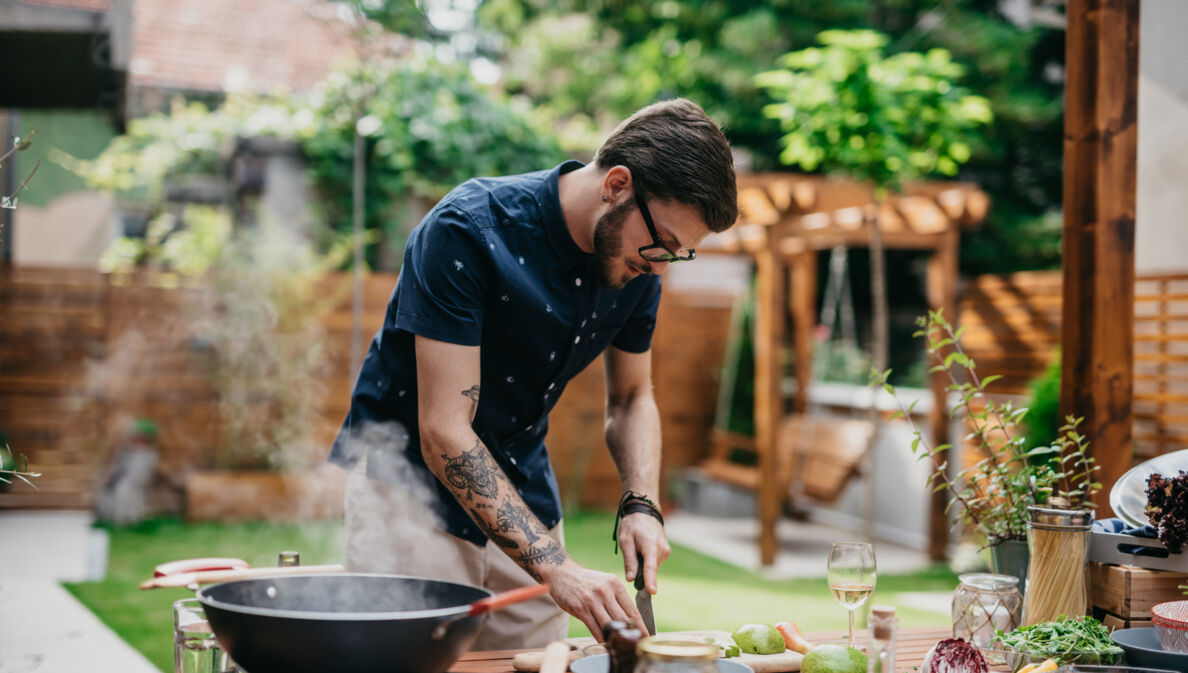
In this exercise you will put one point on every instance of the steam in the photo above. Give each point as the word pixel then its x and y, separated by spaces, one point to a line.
pixel 231 366
pixel 391 516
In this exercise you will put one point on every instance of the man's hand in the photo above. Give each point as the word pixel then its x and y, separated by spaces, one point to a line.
pixel 641 534
pixel 596 598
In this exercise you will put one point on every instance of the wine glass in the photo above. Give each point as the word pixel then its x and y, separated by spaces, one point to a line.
pixel 851 576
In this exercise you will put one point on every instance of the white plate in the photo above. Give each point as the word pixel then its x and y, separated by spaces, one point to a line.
pixel 600 663
pixel 1128 498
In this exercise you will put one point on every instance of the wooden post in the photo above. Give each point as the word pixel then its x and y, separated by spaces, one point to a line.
pixel 1100 140
pixel 769 339
pixel 940 287
pixel 803 305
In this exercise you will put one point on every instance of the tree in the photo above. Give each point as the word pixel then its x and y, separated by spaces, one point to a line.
pixel 585 65
pixel 844 107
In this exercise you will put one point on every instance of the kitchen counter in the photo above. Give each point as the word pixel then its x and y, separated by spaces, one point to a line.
pixel 911 646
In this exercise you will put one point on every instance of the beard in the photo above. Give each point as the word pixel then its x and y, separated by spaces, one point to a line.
pixel 608 244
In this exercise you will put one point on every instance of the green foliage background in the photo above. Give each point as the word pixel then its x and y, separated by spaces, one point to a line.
pixel 591 63
pixel 430 127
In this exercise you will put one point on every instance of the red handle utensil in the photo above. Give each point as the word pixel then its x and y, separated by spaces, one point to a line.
pixel 507 598
pixel 500 600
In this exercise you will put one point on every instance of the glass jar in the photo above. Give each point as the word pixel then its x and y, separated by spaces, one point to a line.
pixel 984 602
pixel 1058 569
pixel 666 655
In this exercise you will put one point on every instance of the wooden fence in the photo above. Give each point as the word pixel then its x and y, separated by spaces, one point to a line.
pixel 1012 328
pixel 82 354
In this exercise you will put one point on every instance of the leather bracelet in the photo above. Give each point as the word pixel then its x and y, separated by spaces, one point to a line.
pixel 634 503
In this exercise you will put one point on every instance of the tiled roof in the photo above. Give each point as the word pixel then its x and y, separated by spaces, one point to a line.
pixel 204 45
pixel 88 5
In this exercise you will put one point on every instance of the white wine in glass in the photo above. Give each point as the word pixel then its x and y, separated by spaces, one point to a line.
pixel 852 575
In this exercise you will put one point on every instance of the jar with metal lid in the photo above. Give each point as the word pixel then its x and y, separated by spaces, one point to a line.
pixel 1058 571
pixel 668 655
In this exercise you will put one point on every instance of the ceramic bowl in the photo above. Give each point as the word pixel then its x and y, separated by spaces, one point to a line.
pixel 1171 625
pixel 1143 649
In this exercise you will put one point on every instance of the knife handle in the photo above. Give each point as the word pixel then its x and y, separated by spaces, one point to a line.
pixel 639 575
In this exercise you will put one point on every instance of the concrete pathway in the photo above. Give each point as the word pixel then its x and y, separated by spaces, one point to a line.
pixel 43 629
pixel 803 551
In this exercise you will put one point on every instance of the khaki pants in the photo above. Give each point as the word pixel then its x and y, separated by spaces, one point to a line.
pixel 390 530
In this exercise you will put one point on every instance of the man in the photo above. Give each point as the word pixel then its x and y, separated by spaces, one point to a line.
pixel 510 287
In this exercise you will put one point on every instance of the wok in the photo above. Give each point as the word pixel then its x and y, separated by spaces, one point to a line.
pixel 353 622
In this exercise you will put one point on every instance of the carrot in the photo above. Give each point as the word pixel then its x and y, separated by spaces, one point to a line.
pixel 794 637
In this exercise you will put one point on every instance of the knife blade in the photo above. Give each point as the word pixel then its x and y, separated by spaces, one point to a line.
pixel 643 599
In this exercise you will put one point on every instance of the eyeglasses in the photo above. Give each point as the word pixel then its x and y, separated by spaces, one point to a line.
pixel 657 251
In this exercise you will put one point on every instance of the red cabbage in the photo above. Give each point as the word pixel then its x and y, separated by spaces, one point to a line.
pixel 954 655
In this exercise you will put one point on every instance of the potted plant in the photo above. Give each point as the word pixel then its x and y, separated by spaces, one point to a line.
pixel 1000 493
pixel 14 467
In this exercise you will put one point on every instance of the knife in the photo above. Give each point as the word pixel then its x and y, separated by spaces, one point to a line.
pixel 643 599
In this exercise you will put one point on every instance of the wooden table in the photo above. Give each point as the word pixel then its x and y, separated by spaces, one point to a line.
pixel 911 646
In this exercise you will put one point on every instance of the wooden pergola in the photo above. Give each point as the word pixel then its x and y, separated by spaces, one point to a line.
pixel 785 220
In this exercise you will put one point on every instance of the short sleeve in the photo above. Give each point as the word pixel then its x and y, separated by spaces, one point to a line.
pixel 444 279
pixel 636 334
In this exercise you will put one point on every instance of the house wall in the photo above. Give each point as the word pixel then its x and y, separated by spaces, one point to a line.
pixel 59 220
pixel 1161 237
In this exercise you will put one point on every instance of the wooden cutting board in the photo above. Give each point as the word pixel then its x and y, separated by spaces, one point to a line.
pixel 581 647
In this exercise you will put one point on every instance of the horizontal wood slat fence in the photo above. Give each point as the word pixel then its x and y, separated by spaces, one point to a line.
pixel 82 354
pixel 1012 328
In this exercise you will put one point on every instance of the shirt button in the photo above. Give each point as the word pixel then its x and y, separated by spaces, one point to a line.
pixel 576 339
pixel 551 385
pixel 513 460
pixel 577 281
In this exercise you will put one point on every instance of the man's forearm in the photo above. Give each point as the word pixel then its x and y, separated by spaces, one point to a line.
pixel 488 495
pixel 633 438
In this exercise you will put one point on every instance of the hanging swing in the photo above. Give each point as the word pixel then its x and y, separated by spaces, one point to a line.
pixel 818 454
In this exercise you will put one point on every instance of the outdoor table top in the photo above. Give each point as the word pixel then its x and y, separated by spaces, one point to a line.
pixel 912 644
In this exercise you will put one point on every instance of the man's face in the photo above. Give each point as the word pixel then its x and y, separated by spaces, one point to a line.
pixel 620 232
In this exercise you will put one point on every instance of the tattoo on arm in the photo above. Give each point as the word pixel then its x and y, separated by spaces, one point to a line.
pixel 549 553
pixel 501 540
pixel 475 472
pixel 513 517
pixel 469 472
pixel 473 393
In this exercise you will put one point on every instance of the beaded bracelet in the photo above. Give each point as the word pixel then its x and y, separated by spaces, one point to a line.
pixel 634 503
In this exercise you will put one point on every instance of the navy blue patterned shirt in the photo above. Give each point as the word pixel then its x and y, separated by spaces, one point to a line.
pixel 492 265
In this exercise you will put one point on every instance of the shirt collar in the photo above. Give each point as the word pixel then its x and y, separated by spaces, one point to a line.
pixel 549 199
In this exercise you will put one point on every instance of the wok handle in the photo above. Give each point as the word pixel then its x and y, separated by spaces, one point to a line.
pixel 506 598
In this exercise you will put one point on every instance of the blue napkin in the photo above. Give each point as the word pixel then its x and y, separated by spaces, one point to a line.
pixel 1121 527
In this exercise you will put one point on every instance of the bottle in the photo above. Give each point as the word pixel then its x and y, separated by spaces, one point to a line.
pixel 621 639
pixel 666 655
pixel 881 658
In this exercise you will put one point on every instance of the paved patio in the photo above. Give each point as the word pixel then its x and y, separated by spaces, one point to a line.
pixel 803 551
pixel 43 629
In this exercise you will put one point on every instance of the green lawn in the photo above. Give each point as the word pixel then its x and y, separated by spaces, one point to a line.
pixel 696 592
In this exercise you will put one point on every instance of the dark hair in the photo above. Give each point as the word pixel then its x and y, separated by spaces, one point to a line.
pixel 676 152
